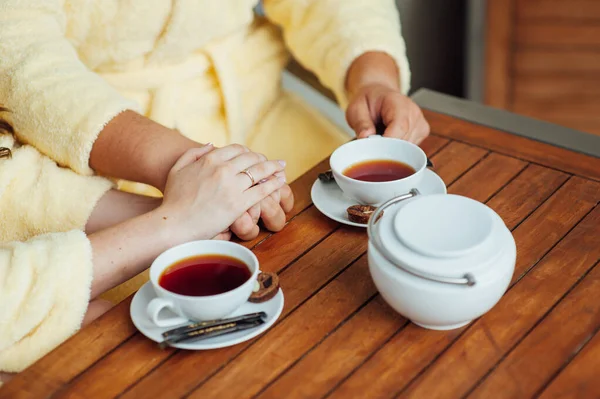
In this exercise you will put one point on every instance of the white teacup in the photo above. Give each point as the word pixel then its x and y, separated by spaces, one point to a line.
pixel 377 148
pixel 199 308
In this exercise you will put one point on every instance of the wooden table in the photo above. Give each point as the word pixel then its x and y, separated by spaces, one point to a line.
pixel 337 338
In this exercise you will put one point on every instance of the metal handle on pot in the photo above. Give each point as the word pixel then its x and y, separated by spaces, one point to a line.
pixel 374 238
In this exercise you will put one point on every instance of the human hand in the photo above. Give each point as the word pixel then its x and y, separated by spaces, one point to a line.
pixel 206 190
pixel 379 102
pixel 271 210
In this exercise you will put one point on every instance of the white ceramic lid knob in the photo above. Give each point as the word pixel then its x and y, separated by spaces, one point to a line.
pixel 444 226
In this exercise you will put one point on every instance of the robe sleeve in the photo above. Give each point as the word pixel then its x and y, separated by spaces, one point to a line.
pixel 44 293
pixel 58 105
pixel 326 36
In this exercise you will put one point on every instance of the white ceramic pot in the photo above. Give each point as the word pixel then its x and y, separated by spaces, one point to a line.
pixel 440 260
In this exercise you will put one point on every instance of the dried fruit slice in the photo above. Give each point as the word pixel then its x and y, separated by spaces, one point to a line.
pixel 361 213
pixel 268 285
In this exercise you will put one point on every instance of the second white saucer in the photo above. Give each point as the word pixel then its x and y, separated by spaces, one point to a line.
pixel 329 199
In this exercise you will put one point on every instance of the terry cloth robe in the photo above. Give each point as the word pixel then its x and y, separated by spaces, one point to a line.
pixel 45 258
pixel 210 69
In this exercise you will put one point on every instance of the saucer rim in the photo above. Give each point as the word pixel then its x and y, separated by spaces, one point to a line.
pixel 354 224
pixel 205 345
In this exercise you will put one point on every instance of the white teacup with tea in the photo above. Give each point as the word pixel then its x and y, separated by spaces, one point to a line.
pixel 201 280
pixel 373 170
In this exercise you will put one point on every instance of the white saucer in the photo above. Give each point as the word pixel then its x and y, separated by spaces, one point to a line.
pixel 142 322
pixel 331 201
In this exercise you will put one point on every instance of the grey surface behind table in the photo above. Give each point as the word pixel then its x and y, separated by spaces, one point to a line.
pixel 434 31
pixel 535 129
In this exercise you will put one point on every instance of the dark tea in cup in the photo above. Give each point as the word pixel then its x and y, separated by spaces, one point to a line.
pixel 379 170
pixel 204 275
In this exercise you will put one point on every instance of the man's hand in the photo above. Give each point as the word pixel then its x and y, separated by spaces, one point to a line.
pixel 271 210
pixel 375 97
pixel 377 102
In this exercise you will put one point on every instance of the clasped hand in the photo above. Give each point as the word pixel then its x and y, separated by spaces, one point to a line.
pixel 208 196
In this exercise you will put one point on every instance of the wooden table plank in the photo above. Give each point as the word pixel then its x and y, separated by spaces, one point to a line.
pixel 455 159
pixel 412 350
pixel 580 379
pixel 549 347
pixel 293 337
pixel 433 144
pixel 515 146
pixel 552 220
pixel 525 193
pixel 339 354
pixel 495 170
pixel 491 337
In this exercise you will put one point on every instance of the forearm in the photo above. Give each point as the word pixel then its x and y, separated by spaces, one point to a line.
pixel 372 68
pixel 135 148
pixel 116 207
pixel 125 250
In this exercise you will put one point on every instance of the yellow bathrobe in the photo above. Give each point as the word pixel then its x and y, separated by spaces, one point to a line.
pixel 209 68
pixel 45 258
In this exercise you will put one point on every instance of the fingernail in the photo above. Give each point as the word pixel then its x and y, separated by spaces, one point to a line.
pixel 282 163
pixel 263 181
pixel 208 144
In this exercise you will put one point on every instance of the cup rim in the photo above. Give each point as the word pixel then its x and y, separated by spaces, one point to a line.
pixel 341 174
pixel 250 280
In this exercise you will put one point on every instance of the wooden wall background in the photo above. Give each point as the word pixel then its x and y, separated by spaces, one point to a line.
pixel 543 60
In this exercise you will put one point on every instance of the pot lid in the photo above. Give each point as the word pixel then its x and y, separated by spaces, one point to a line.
pixel 444 226
pixel 443 234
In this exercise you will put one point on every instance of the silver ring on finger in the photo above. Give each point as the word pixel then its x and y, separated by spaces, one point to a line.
pixel 247 173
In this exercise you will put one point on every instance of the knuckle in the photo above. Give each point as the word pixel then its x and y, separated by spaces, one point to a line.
pixel 209 159
pixel 246 225
pixel 255 158
pixel 265 189
pixel 223 171
pixel 285 191
pixel 351 111
pixel 426 128
pixel 264 169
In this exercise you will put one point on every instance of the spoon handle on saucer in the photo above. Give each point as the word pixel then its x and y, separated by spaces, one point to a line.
pixel 210 332
pixel 211 323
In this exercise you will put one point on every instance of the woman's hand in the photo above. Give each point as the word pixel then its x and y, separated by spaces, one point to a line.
pixel 374 92
pixel 207 192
